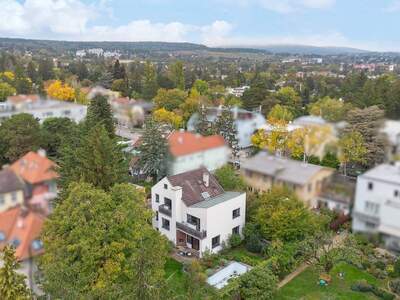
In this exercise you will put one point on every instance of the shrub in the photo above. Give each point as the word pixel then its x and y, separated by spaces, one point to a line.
pixel 234 240
pixel 380 265
pixel 395 286
pixel 381 293
pixel 361 286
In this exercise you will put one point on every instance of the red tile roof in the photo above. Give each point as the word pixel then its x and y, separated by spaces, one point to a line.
pixel 17 224
pixel 23 98
pixel 34 168
pixel 183 143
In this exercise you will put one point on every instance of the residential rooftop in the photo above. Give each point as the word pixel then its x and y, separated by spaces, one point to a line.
pixel 207 203
pixel 384 172
pixel 287 170
pixel 10 182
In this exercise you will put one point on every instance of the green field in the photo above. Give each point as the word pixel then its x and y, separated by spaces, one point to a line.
pixel 174 275
pixel 305 286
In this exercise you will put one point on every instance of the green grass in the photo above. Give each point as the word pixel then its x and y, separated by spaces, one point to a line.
pixel 241 254
pixel 305 287
pixel 174 275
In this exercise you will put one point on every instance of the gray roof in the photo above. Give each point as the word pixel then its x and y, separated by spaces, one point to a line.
pixel 193 188
pixel 384 172
pixel 216 200
pixel 283 169
pixel 10 182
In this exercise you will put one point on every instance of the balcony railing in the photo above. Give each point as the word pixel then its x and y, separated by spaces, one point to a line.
pixel 165 210
pixel 191 231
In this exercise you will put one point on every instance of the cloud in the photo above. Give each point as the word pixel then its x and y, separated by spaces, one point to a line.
pixel 286 6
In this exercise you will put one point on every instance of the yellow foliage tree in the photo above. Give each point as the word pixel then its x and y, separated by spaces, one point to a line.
pixel 7 76
pixel 275 140
pixel 61 91
pixel 164 116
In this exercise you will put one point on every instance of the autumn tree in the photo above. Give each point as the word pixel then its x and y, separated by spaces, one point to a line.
pixel 330 109
pixel 170 99
pixel 150 86
pixel 60 91
pixel 229 179
pixel 168 117
pixel 201 86
pixel 6 90
pixel 101 245
pixel 12 284
pixel 178 75
pixel 279 113
pixel 289 97
pixel 351 149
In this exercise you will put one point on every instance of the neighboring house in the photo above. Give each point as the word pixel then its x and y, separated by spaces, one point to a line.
pixel 12 190
pixel 189 151
pixel 39 174
pixel 337 194
pixel 237 91
pixel 247 122
pixel 263 171
pixel 392 131
pixel 99 90
pixel 41 108
pixel 193 211
pixel 21 228
pixel 377 204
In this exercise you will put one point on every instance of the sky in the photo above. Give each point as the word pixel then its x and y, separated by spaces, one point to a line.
pixel 364 24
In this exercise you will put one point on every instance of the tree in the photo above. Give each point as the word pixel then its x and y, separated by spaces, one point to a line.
pixel 225 126
pixel 6 90
pixel 32 72
pixel 351 149
pixel 101 246
pixel 99 112
pixel 289 97
pixel 45 69
pixel 278 113
pixel 22 84
pixel 56 131
pixel 330 109
pixel 170 99
pixel 150 85
pixel 153 150
pixel 12 284
pixel 61 91
pixel 201 86
pixel 97 160
pixel 118 71
pixel 122 86
pixel 195 281
pixel 19 135
pixel 203 126
pixel 368 122
pixel 168 117
pixel 280 215
pixel 229 179
pixel 275 140
pixel 258 283
pixel 178 75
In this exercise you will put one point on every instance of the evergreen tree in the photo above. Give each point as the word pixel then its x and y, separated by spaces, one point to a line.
pixel 32 72
pixel 99 112
pixel 178 75
pixel 150 85
pixel 203 126
pixel 98 160
pixel 100 245
pixel 225 126
pixel 118 71
pixel 105 80
pixel 12 284
pixel 45 69
pixel 153 150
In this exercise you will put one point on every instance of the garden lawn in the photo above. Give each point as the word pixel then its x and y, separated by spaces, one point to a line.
pixel 175 276
pixel 305 286
pixel 241 254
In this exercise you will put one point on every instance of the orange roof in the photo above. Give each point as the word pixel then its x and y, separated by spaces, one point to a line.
pixel 34 168
pixel 23 98
pixel 21 228
pixel 183 143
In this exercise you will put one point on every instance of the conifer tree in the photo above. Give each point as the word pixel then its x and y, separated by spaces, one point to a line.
pixel 99 112
pixel 203 126
pixel 12 284
pixel 225 126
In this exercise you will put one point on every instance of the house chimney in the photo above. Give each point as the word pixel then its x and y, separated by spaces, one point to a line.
pixel 206 179
pixel 42 152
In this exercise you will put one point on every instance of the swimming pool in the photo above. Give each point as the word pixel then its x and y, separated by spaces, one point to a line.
pixel 221 278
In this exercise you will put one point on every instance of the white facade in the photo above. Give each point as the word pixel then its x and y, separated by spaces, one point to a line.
pixel 377 204
pixel 44 109
pixel 212 159
pixel 215 217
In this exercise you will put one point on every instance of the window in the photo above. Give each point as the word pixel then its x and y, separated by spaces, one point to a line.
pixel 215 241
pixel 193 220
pixel 156 215
pixel 168 203
pixel 236 230
pixel 370 186
pixel 371 207
pixel 14 196
pixel 165 186
pixel 370 225
pixel 66 112
pixel 157 198
pixel 236 213
pixel 165 224
pixel 396 193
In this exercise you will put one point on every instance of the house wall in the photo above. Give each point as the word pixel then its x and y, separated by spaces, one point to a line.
pixel 211 159
pixel 9 200
pixel 308 193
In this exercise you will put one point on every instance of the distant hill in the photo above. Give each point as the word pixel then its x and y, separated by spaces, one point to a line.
pixel 305 49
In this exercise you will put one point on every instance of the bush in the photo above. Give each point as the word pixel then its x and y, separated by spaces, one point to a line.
pixel 361 286
pixel 381 293
pixel 234 240
pixel 395 286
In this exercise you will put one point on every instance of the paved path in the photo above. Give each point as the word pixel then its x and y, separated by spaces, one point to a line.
pixel 337 241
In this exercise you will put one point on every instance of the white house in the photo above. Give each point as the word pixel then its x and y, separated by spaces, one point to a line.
pixel 189 151
pixel 377 204
pixel 193 211
pixel 237 91
pixel 41 108
pixel 247 122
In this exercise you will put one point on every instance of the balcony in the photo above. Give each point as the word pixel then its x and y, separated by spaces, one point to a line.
pixel 165 210
pixel 190 229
